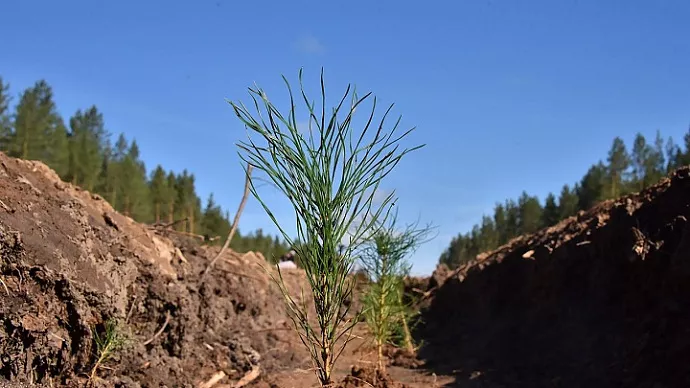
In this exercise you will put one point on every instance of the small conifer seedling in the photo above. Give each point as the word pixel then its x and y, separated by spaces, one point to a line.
pixel 329 172
pixel 383 260
pixel 110 342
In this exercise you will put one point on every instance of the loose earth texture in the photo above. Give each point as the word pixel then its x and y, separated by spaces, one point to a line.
pixel 598 300
pixel 70 263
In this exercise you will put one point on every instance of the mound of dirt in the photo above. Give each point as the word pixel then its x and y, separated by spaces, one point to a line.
pixel 601 299
pixel 402 357
pixel 70 263
pixel 368 377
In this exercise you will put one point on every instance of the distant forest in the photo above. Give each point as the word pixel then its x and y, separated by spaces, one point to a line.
pixel 80 150
pixel 623 172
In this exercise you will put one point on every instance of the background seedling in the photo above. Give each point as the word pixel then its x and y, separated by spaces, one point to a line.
pixel 110 342
pixel 383 260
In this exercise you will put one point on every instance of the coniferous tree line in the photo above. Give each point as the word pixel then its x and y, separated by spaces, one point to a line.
pixel 80 151
pixel 621 173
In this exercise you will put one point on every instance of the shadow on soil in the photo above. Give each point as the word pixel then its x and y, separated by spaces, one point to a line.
pixel 599 300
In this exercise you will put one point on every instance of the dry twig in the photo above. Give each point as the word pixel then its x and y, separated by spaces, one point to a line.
pixel 160 331
pixel 180 256
pixel 249 377
pixel 188 234
pixel 165 226
pixel 234 222
pixel 7 208
pixel 218 376
pixel 131 309
pixel 5 286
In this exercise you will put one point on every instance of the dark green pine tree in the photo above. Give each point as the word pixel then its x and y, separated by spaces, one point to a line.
pixel 28 140
pixel 128 176
pixel 621 174
pixel 264 244
pixel 568 201
pixel 197 214
pixel 86 143
pixel 162 195
pixel 655 167
pixel 673 155
pixel 684 158
pixel 84 155
pixel 464 250
pixel 530 214
pixel 474 240
pixel 114 173
pixel 172 199
pixel 591 189
pixel 551 214
pixel 57 156
pixel 618 163
pixel 500 224
pixel 133 186
pixel 279 249
pixel 107 179
pixel 488 235
pixel 5 119
pixel 649 162
pixel 187 203
pixel 640 161
pixel 512 227
pixel 213 222
pixel 39 132
pixel 452 255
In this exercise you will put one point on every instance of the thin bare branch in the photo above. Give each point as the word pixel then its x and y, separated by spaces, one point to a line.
pixel 160 331
pixel 235 222
pixel 215 379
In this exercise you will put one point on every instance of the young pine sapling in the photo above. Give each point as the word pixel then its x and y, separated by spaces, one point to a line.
pixel 383 260
pixel 108 344
pixel 329 173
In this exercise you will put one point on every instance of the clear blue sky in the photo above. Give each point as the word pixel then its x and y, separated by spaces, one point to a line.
pixel 507 95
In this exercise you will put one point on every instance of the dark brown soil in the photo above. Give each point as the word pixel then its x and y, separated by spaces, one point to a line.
pixel 601 299
pixel 369 377
pixel 402 358
pixel 69 262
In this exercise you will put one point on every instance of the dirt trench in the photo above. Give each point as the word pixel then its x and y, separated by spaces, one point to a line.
pixel 69 263
pixel 601 299
pixel 598 300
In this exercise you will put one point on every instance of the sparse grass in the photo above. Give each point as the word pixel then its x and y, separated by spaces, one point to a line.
pixel 113 340
pixel 330 175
